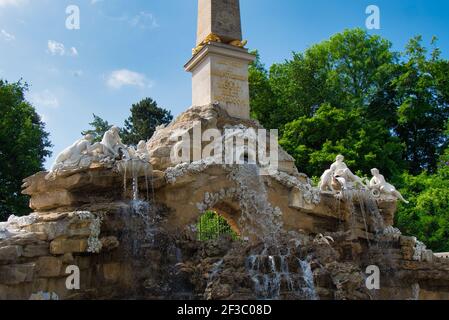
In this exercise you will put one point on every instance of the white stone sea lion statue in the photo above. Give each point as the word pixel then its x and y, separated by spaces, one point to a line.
pixel 83 153
pixel 79 154
pixel 140 153
pixel 380 187
pixel 339 171
pixel 112 144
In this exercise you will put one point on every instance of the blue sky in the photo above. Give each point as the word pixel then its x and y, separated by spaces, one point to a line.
pixel 126 50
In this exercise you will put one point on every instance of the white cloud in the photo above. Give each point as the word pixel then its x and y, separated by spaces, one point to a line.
pixel 57 48
pixel 95 1
pixel 124 77
pixel 144 20
pixel 4 3
pixel 7 36
pixel 44 99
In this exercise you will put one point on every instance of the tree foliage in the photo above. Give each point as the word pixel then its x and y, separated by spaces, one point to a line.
pixel 98 128
pixel 427 216
pixel 212 226
pixel 145 117
pixel 423 105
pixel 354 95
pixel 24 145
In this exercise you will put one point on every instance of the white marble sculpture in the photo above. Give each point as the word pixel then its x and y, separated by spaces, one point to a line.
pixel 339 177
pixel 142 151
pixel 79 154
pixel 82 153
pixel 139 153
pixel 380 188
pixel 112 144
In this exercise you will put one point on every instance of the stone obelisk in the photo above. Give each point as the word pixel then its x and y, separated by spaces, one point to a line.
pixel 219 65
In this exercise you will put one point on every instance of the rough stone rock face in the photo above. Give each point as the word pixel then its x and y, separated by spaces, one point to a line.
pixel 295 242
pixel 208 117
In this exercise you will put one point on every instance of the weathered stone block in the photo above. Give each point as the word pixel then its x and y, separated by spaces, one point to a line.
pixel 54 216
pixel 16 274
pixel 51 229
pixel 109 243
pixel 26 238
pixel 49 267
pixel 111 272
pixel 68 258
pixel 62 246
pixel 407 241
pixel 38 250
pixel 51 200
pixel 407 253
pixel 83 262
pixel 10 253
pixel 428 256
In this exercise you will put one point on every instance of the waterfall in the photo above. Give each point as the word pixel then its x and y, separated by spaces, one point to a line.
pixel 136 169
pixel 259 219
pixel 143 210
pixel 276 271
pixel 368 209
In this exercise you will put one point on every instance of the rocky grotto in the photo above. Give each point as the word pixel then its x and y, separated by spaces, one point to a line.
pixel 126 217
pixel 129 224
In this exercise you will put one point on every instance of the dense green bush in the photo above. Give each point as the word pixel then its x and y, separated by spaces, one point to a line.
pixel 24 145
pixel 212 226
pixel 427 215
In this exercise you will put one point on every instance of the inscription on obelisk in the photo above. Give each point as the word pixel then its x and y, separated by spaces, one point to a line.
pixel 220 63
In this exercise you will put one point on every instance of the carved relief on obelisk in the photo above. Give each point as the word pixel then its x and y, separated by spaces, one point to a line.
pixel 219 65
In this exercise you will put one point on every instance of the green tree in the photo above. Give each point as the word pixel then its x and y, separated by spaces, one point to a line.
pixel 427 215
pixel 315 142
pixel 24 145
pixel 337 97
pixel 99 128
pixel 349 70
pixel 145 117
pixel 423 105
pixel 352 94
pixel 261 97
pixel 211 226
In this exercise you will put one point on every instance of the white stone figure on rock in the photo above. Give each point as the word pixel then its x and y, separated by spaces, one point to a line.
pixel 82 153
pixel 139 153
pixel 339 177
pixel 78 155
pixel 112 144
pixel 142 152
pixel 381 188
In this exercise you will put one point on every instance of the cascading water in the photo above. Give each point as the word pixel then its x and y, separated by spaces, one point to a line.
pixel 275 270
pixel 136 169
pixel 276 273
pixel 368 209
pixel 141 209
